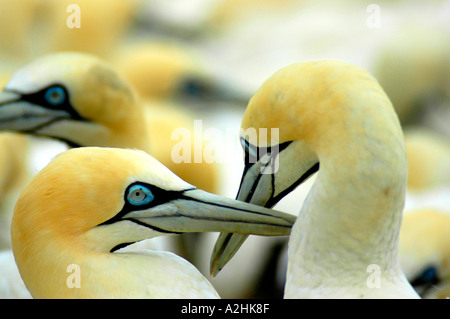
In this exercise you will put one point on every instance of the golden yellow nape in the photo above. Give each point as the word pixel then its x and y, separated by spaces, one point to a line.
pixel 72 219
pixel 51 241
pixel 423 251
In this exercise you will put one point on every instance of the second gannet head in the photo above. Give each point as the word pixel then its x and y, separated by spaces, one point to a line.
pixel 89 202
pixel 335 114
pixel 73 97
pixel 424 253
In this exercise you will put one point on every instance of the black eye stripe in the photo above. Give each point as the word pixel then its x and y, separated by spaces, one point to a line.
pixel 254 153
pixel 39 98
pixel 160 196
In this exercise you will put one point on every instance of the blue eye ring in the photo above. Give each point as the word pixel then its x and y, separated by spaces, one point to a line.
pixel 55 95
pixel 139 195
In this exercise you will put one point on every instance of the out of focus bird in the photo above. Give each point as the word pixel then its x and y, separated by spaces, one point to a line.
pixel 81 100
pixel 75 215
pixel 413 66
pixel 171 73
pixel 424 251
pixel 424 236
pixel 158 70
pixel 344 242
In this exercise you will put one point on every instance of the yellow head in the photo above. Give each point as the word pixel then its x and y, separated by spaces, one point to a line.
pixel 159 70
pixel 90 201
pixel 424 252
pixel 326 112
pixel 317 111
pixel 73 97
pixel 168 71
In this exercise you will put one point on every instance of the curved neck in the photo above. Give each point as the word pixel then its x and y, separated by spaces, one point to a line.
pixel 352 215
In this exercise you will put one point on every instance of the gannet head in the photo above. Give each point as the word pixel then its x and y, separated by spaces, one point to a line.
pixel 164 71
pixel 68 96
pixel 100 199
pixel 423 251
pixel 304 114
pixel 315 109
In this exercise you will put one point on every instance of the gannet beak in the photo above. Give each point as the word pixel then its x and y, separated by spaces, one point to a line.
pixel 7 97
pixel 20 115
pixel 199 211
pixel 259 186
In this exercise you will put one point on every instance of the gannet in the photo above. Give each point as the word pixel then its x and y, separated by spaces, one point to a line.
pixel 335 114
pixel 413 67
pixel 176 74
pixel 89 202
pixel 157 70
pixel 80 99
pixel 424 253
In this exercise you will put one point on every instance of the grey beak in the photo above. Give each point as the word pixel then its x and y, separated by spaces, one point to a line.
pixel 200 211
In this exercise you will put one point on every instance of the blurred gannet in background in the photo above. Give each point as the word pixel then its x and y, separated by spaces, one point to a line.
pixel 413 66
pixel 81 100
pixel 90 202
pixel 171 73
pixel 335 114
pixel 424 251
pixel 424 243
pixel 78 99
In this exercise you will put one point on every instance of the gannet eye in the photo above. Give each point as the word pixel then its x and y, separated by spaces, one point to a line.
pixel 139 195
pixel 55 95
pixel 193 87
